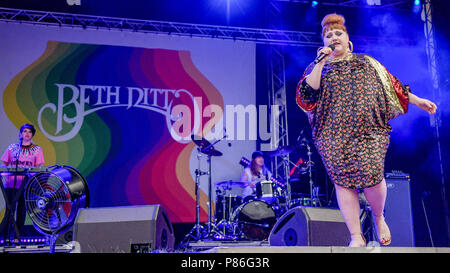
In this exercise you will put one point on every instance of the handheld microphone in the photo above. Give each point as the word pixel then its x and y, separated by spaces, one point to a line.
pixel 322 55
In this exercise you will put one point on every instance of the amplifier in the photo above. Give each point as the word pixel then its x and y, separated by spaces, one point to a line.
pixel 398 209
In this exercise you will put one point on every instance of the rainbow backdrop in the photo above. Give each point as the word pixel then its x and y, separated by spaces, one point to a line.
pixel 127 156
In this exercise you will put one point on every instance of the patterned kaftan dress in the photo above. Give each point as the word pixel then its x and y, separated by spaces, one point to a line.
pixel 349 117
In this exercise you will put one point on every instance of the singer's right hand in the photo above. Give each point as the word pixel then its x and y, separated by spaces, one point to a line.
pixel 327 51
pixel 313 79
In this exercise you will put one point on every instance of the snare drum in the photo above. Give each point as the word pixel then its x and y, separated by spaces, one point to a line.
pixel 266 190
pixel 255 219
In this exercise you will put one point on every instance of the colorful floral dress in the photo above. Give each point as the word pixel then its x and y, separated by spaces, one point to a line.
pixel 349 117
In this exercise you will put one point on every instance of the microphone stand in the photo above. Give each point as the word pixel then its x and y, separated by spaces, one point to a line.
pixel 17 161
pixel 424 195
pixel 12 209
pixel 211 226
pixel 197 229
pixel 312 190
pixel 314 198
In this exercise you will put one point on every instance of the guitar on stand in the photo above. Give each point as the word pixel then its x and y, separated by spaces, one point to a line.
pixel 284 151
pixel 302 174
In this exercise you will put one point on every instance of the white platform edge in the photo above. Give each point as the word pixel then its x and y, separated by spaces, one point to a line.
pixel 332 249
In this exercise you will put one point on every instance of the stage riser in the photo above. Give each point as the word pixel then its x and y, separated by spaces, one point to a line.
pixel 232 250
pixel 313 249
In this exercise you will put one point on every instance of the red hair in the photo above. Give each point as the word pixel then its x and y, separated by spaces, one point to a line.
pixel 333 21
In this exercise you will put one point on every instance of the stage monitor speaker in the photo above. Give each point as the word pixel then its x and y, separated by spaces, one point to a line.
pixel 398 210
pixel 129 229
pixel 65 237
pixel 310 226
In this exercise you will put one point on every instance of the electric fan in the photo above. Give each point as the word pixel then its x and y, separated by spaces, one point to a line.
pixel 53 198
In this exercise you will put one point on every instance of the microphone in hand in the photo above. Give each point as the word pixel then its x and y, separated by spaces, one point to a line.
pixel 323 55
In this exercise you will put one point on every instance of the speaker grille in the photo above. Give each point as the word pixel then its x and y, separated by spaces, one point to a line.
pixel 398 211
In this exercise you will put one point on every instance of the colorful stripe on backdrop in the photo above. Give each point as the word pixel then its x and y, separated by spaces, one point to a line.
pixel 105 111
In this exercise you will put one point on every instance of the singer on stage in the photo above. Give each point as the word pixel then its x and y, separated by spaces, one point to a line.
pixel 24 154
pixel 349 99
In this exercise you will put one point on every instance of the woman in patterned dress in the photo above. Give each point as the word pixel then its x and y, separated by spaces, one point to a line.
pixel 349 100
pixel 27 155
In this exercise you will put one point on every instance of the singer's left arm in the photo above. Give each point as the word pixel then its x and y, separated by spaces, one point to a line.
pixel 407 97
pixel 423 104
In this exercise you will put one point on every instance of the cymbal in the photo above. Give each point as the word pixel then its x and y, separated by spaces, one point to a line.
pixel 230 183
pixel 203 143
pixel 200 141
pixel 282 150
pixel 211 151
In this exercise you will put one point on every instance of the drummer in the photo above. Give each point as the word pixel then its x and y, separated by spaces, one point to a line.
pixel 256 171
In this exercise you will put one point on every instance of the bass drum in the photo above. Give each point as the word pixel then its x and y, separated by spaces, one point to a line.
pixel 255 219
pixel 225 205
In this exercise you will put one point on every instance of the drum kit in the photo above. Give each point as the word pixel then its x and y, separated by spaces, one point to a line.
pixel 251 218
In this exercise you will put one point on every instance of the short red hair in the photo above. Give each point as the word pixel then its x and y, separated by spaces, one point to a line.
pixel 333 21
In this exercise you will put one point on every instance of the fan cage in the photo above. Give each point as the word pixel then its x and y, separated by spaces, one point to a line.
pixel 48 202
pixel 53 197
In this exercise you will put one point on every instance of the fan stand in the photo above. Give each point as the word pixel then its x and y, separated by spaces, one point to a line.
pixel 52 240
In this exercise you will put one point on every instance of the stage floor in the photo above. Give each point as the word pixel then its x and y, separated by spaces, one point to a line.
pixel 59 248
pixel 264 247
pixel 248 247
pixel 332 249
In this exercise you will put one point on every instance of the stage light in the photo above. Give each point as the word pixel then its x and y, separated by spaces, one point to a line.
pixel 314 4
pixel 416 7
pixel 373 2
